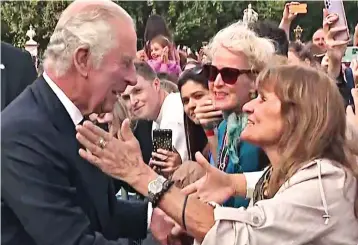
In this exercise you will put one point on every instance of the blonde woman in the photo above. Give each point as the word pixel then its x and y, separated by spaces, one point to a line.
pixel 311 195
pixel 238 54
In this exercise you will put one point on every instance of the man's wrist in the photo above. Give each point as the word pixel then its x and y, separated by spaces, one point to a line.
pixel 142 180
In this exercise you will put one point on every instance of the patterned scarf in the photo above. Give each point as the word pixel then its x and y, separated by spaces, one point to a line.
pixel 235 125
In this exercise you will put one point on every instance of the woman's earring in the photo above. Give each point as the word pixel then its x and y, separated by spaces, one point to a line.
pixel 253 94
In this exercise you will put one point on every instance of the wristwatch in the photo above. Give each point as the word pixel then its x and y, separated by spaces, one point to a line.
pixel 157 188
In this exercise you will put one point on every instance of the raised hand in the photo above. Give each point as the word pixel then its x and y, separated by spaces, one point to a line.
pixel 207 115
pixel 216 185
pixel 335 48
pixel 141 55
pixel 120 158
pixel 286 15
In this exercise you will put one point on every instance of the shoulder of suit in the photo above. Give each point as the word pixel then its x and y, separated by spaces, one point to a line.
pixel 10 51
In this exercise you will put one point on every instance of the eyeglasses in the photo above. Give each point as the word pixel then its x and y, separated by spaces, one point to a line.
pixel 229 75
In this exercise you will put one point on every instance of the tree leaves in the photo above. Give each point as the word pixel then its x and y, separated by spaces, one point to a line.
pixel 191 22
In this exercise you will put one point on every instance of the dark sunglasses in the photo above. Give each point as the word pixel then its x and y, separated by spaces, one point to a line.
pixel 228 75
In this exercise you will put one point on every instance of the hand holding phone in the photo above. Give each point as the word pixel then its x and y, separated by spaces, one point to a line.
pixel 165 159
pixel 297 8
pixel 338 23
pixel 162 139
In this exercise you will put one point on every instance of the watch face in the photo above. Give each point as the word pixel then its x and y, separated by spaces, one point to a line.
pixel 155 187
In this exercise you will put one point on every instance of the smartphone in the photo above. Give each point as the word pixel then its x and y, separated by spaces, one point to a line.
pixel 298 8
pixel 337 7
pixel 162 139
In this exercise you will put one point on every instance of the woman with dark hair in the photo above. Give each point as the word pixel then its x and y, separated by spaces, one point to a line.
pixel 194 90
pixel 156 26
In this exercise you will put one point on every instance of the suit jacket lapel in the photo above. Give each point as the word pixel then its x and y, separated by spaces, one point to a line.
pixel 95 182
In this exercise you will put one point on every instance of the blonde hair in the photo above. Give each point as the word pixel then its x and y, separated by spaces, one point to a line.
pixel 238 38
pixel 314 120
pixel 120 113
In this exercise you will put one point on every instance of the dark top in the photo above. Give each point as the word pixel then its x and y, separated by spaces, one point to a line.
pixel 17 73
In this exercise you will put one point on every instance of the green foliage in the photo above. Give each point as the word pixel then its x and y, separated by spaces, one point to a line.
pixel 16 18
pixel 191 22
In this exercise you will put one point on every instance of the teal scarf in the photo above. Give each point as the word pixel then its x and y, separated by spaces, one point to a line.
pixel 235 125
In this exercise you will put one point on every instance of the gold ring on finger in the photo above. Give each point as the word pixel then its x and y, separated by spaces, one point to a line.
pixel 102 143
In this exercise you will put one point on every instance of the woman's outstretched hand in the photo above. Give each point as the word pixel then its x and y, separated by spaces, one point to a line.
pixel 216 186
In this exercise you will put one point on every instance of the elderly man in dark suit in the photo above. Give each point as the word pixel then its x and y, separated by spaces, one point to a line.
pixel 49 195
pixel 17 72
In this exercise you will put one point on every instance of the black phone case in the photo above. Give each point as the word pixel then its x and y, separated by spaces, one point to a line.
pixel 162 139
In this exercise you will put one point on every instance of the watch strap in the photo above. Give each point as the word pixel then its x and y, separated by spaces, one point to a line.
pixel 155 198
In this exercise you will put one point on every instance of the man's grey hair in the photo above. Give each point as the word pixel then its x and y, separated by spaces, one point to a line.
pixel 88 28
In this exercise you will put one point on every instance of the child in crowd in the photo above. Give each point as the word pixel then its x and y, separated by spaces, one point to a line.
pixel 161 57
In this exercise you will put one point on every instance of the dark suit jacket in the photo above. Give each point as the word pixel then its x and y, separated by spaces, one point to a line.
pixel 19 72
pixel 49 195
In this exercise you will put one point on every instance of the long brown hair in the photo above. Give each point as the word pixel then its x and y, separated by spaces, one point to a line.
pixel 314 121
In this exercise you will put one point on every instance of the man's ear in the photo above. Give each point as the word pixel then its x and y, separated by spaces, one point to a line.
pixel 81 60
pixel 156 84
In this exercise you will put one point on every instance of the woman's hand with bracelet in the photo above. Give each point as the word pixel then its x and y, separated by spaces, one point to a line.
pixel 216 186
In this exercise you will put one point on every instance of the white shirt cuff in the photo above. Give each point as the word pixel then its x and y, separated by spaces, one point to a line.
pixel 251 180
pixel 150 212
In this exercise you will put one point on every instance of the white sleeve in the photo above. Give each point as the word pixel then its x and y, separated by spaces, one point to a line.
pixel 149 216
pixel 174 120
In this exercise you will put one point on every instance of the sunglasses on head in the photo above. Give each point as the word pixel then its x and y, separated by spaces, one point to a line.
pixel 229 75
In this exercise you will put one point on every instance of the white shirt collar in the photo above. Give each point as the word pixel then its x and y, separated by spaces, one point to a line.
pixel 71 109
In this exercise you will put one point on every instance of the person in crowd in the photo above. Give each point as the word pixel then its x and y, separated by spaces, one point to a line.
pixel 318 38
pixel 156 26
pixel 160 56
pixel 49 194
pixel 306 144
pixel 270 30
pixel 191 64
pixel 168 77
pixel 13 82
pixel 146 100
pixel 352 123
pixel 287 18
pixel 194 91
pixel 335 52
pixel 299 53
pixel 168 86
pixel 237 55
pixel 294 50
